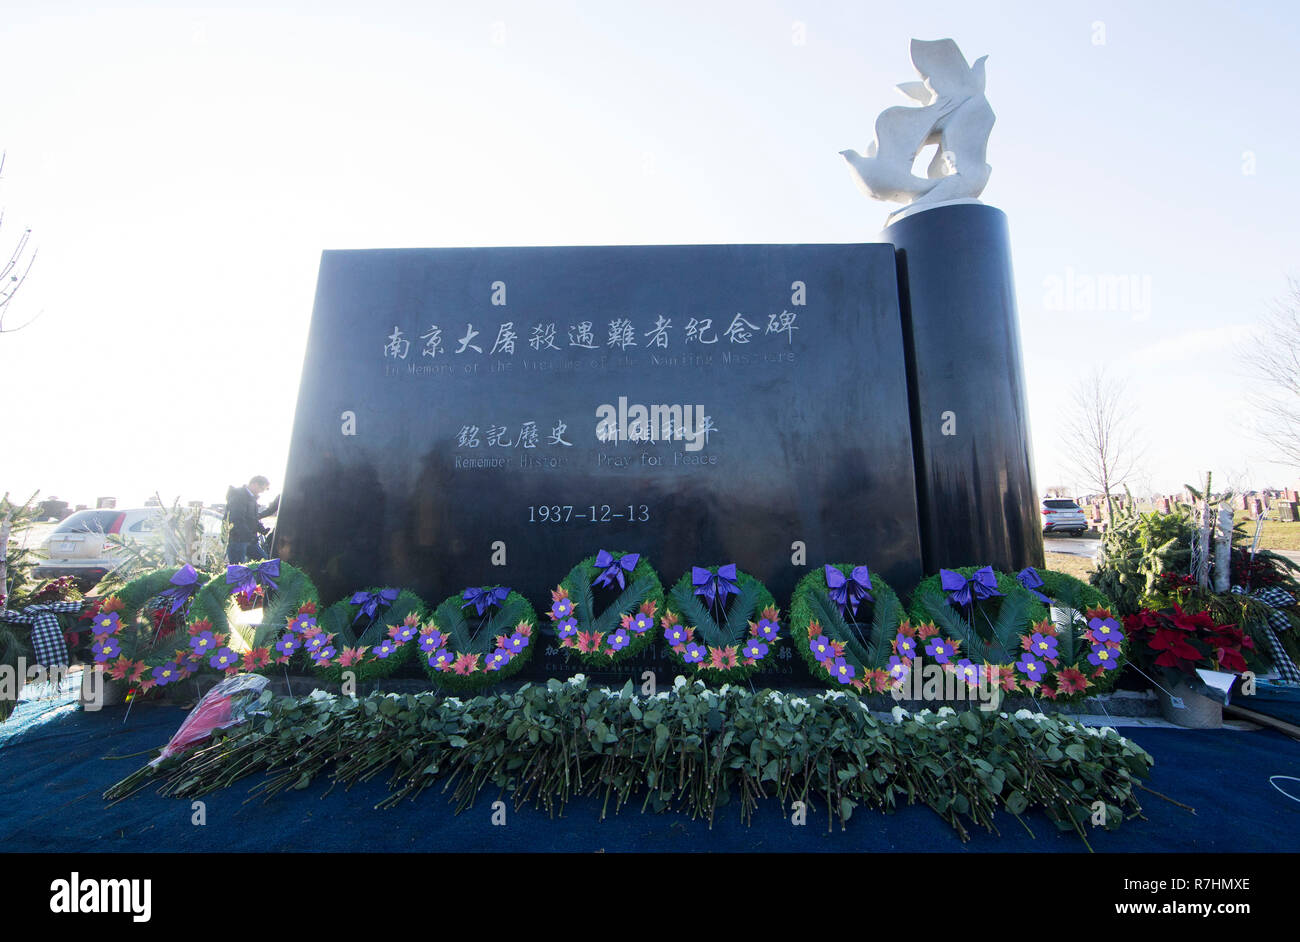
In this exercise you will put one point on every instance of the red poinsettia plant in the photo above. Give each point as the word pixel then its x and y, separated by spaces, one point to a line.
pixel 1173 643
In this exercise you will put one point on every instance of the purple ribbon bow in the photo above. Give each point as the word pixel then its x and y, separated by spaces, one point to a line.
pixel 370 602
pixel 983 584
pixel 849 591
pixel 614 569
pixel 184 584
pixel 1029 578
pixel 713 586
pixel 484 598
pixel 246 579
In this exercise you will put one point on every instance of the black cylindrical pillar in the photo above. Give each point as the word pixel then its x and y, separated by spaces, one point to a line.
pixel 970 421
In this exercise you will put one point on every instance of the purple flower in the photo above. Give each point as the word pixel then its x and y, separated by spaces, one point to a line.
pixel 1106 629
pixel 1043 646
pixel 1031 667
pixel 441 659
pixel 107 624
pixel 287 644
pixel 1103 655
pixel 497 660
pixel 384 648
pixel 567 627
pixel 641 622
pixel 906 646
pixel 164 674
pixel 324 656
pixel 562 608
pixel 515 643
pixel 675 635
pixel 432 641
pixel 967 672
pixel 619 639
pixel 899 668
pixel 404 633
pixel 694 653
pixel 821 647
pixel 302 623
pixel 203 642
pixel 940 650
pixel 223 658
pixel 842 670
pixel 106 649
pixel 755 649
pixel 768 629
pixel 316 642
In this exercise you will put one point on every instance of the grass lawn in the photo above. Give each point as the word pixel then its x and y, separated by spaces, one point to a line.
pixel 1077 566
pixel 1276 536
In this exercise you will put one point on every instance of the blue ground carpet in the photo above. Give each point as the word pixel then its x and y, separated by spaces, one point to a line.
pixel 55 764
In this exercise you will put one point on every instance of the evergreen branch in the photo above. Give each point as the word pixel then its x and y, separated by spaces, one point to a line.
pixel 583 601
pixel 696 615
pixel 1012 614
pixel 625 604
pixel 833 624
pixel 741 610
pixel 450 617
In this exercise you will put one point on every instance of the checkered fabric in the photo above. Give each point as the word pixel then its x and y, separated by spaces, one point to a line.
pixel 47 635
pixel 1275 599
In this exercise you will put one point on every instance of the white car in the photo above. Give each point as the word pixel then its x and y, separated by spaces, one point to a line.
pixel 1063 515
pixel 80 545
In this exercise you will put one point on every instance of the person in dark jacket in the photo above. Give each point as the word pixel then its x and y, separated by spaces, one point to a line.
pixel 246 519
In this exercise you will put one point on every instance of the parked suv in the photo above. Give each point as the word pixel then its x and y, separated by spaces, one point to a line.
pixel 1063 515
pixel 79 546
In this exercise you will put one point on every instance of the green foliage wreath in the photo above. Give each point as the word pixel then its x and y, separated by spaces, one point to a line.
pixel 728 651
pixel 467 653
pixel 624 628
pixel 372 648
pixel 823 634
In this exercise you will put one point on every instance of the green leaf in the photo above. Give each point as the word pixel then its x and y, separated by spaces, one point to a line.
pixel 827 614
pixel 887 613
pixel 583 600
pixel 687 603
pixel 946 618
pixel 451 619
pixel 741 610
pixel 625 604
pixel 1012 616
pixel 503 621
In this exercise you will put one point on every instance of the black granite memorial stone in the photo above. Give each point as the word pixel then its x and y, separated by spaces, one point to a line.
pixel 970 414
pixel 696 404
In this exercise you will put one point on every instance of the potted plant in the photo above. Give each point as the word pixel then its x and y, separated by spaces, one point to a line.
pixel 1177 649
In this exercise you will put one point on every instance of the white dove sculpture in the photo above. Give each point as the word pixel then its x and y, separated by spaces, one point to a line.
pixel 954 114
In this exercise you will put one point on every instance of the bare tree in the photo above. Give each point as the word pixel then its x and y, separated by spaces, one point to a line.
pixel 14 271
pixel 1273 363
pixel 1057 490
pixel 1100 436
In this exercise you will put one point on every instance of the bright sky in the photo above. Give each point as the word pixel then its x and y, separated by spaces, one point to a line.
pixel 182 168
